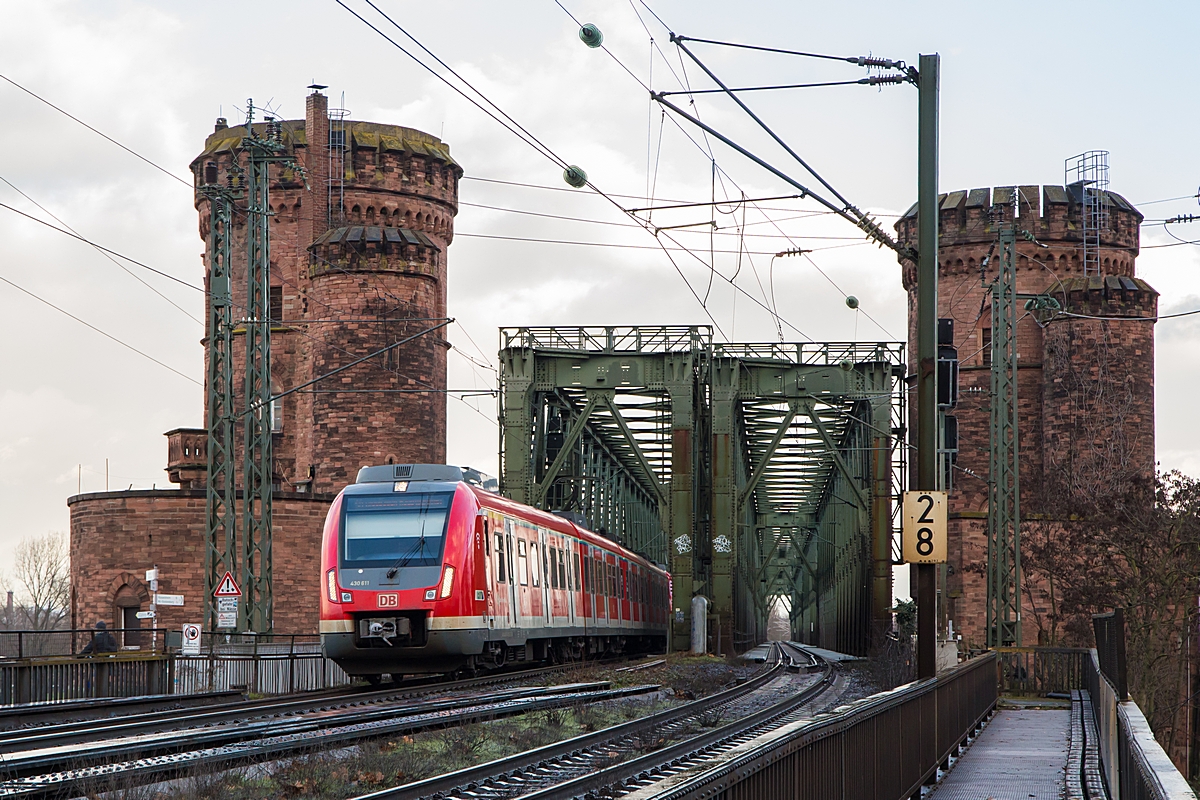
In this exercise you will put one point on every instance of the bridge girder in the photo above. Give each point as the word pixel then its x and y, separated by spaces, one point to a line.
pixel 756 470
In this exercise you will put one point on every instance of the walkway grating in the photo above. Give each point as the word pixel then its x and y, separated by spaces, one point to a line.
pixel 1018 756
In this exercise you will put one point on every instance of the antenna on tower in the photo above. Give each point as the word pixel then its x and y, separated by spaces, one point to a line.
pixel 1086 176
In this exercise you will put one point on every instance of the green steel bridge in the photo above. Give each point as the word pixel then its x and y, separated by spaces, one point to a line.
pixel 757 473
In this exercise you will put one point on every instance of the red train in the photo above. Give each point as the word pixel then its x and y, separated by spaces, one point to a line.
pixel 424 568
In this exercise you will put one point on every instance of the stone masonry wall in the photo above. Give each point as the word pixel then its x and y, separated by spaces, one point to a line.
pixel 117 536
pixel 969 223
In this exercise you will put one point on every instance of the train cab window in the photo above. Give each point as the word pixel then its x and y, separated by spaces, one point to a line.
pixel 533 563
pixel 500 572
pixel 394 530
pixel 522 563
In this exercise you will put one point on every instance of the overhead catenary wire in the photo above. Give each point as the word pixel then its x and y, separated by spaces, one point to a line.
pixel 108 252
pixel 100 331
pixel 107 255
pixel 538 145
pixel 98 132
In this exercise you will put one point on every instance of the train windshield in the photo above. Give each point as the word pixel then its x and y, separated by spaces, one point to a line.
pixel 395 530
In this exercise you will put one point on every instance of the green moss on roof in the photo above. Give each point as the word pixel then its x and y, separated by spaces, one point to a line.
pixel 372 135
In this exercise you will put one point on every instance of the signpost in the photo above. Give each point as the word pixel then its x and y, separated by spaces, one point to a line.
pixel 923 535
pixel 227 594
pixel 168 600
pixel 191 640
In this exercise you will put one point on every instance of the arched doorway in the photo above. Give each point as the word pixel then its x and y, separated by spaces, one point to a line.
pixel 126 605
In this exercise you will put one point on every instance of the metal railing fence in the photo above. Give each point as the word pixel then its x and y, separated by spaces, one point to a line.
pixel 57 678
pixel 47 666
pixel 1110 648
pixel 1134 764
pixel 884 746
pixel 1040 670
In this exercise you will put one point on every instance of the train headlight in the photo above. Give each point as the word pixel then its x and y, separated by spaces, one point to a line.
pixel 447 582
pixel 331 587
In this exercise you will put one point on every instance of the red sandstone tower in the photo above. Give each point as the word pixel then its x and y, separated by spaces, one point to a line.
pixel 358 263
pixel 1085 386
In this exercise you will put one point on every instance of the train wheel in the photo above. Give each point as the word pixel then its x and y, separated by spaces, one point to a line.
pixel 374 680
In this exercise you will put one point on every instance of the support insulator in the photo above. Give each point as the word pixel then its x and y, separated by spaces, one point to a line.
pixel 574 176
pixel 590 35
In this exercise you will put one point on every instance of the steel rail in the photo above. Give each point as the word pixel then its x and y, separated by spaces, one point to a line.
pixel 537 759
pixel 52 751
pixel 282 704
pixel 66 782
pixel 27 715
pixel 656 762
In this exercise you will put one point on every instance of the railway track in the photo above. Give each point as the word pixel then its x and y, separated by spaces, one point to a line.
pixel 78 758
pixel 19 720
pixel 586 763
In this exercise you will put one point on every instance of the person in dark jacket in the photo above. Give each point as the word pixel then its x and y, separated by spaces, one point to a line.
pixel 102 641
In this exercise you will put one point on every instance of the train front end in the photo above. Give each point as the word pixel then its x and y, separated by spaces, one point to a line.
pixel 398 585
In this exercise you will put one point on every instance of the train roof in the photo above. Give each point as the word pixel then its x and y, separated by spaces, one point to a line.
pixel 556 523
pixel 486 490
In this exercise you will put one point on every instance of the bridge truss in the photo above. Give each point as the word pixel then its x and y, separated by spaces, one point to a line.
pixel 754 471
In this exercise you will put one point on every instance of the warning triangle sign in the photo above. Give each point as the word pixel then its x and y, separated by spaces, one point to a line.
pixel 227 587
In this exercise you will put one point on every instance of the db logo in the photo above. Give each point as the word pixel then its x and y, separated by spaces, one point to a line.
pixel 388 600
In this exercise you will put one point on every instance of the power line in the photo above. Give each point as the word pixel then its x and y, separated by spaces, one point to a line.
pixel 679 248
pixel 103 333
pixel 101 247
pixel 99 133
pixel 101 251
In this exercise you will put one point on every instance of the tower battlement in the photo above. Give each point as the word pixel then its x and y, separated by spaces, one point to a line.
pixel 1050 213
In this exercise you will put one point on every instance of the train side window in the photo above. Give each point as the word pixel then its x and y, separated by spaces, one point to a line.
pixel 576 570
pixel 533 563
pixel 554 582
pixel 501 575
pixel 562 572
pixel 523 562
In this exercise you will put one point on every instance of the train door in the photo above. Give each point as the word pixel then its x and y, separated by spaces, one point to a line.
pixel 522 575
pixel 493 560
pixel 513 587
pixel 614 587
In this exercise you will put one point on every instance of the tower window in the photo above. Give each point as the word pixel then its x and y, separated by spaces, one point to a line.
pixel 275 309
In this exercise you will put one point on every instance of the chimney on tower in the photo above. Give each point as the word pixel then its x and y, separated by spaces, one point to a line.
pixel 316 160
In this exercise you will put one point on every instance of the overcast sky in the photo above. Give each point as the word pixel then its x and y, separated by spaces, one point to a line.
pixel 1024 85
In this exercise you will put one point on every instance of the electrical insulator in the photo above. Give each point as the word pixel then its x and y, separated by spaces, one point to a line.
pixel 591 35
pixel 869 61
pixel 574 176
pixel 851 301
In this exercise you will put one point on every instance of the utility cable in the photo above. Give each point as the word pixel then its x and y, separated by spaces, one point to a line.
pixel 102 248
pixel 124 268
pixel 103 333
pixel 99 133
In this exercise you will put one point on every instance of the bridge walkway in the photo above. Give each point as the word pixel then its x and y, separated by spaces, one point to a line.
pixel 1020 754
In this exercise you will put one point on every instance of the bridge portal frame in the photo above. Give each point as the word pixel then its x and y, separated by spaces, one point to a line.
pixel 753 470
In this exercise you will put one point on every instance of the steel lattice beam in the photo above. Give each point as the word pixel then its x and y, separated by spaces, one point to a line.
pixel 770 469
pixel 221 514
pixel 1004 503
